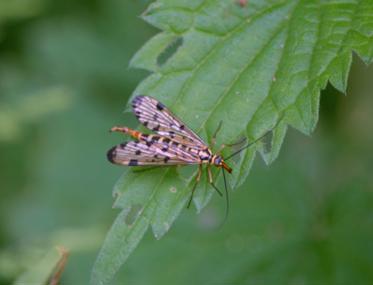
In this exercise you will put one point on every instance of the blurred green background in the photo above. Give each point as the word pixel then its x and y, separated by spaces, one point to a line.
pixel 64 82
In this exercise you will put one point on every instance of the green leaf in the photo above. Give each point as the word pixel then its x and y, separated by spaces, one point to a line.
pixel 11 10
pixel 49 268
pixel 248 66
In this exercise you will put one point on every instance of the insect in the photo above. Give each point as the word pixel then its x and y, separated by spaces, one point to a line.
pixel 173 144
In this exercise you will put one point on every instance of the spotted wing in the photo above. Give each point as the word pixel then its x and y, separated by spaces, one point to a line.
pixel 134 153
pixel 156 117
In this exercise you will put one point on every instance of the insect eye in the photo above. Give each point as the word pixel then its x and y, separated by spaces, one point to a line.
pixel 217 160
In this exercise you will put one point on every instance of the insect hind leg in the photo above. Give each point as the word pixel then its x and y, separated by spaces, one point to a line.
pixel 195 185
pixel 211 181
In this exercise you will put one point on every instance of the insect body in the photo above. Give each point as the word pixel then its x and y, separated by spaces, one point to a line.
pixel 173 144
pixel 159 150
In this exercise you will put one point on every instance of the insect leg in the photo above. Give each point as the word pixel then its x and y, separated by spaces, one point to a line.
pixel 195 185
pixel 211 181
pixel 241 141
pixel 213 139
pixel 258 139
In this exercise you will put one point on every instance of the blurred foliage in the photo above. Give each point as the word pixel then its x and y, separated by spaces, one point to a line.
pixel 48 270
pixel 64 82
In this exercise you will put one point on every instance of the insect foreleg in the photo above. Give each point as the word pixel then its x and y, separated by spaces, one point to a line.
pixel 213 138
pixel 223 146
pixel 241 141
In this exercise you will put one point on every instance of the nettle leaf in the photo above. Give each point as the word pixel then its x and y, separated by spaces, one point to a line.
pixel 251 67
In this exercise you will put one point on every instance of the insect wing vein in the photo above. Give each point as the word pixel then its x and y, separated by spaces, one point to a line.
pixel 158 118
pixel 140 153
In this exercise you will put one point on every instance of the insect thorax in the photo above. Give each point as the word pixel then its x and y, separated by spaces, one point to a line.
pixel 205 155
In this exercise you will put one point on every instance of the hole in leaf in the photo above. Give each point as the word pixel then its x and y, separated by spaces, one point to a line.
pixel 133 214
pixel 169 51
pixel 173 189
pixel 267 142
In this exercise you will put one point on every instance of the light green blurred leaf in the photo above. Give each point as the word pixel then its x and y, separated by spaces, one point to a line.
pixel 14 9
pixel 48 269
pixel 17 115
pixel 247 66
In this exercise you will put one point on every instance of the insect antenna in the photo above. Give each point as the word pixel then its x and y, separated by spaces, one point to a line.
pixel 254 142
pixel 246 146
